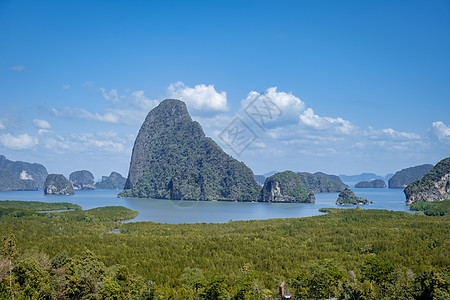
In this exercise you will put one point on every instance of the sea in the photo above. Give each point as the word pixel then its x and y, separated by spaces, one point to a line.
pixel 174 212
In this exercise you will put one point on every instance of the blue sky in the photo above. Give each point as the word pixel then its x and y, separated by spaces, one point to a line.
pixel 363 86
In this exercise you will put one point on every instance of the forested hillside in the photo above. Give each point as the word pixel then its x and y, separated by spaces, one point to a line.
pixel 347 253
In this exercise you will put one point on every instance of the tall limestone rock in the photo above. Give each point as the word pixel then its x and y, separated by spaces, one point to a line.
pixel 57 184
pixel 30 176
pixel 172 159
pixel 82 180
pixel 285 187
pixel 433 186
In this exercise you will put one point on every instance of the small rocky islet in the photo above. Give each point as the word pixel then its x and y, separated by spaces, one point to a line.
pixel 348 197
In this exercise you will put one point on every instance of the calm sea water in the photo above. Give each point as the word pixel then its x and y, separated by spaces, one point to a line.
pixel 170 211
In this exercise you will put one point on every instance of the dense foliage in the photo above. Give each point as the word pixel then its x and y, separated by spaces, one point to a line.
pixel 321 183
pixel 350 254
pixel 440 172
pixel 172 159
pixel 432 208
pixel 404 177
pixel 284 187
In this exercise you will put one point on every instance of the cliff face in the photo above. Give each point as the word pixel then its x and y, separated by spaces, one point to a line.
pixel 347 197
pixel 9 182
pixel 321 183
pixel 285 187
pixel 376 183
pixel 32 175
pixel 172 159
pixel 433 186
pixel 113 181
pixel 82 180
pixel 404 177
pixel 57 184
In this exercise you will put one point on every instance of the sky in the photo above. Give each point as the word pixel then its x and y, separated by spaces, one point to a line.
pixel 353 86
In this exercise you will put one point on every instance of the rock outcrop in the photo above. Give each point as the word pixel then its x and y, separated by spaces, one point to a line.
pixel 30 176
pixel 82 180
pixel 172 159
pixel 375 184
pixel 433 186
pixel 57 184
pixel 404 177
pixel 285 187
pixel 347 197
pixel 321 183
pixel 114 181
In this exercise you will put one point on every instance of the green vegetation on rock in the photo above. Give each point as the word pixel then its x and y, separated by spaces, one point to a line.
pixel 172 159
pixel 82 180
pixel 284 187
pixel 57 184
pixel 21 176
pixel 433 186
pixel 347 197
pixel 321 183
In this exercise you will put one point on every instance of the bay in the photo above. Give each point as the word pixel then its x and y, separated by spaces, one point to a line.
pixel 173 212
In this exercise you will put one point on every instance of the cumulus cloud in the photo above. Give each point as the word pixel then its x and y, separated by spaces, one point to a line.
pixel 391 134
pixel 339 125
pixel 278 106
pixel 440 131
pixel 142 102
pixel 19 142
pixel 18 68
pixel 41 124
pixel 201 97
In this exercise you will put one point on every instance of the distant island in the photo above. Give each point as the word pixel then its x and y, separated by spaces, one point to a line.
pixel 21 176
pixel 113 181
pixel 376 183
pixel 321 183
pixel 285 187
pixel 405 176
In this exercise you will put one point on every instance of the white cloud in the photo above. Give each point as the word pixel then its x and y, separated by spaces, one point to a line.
pixel 65 87
pixel 20 142
pixel 338 125
pixel 112 96
pixel 41 124
pixel 440 131
pixel 202 97
pixel 18 68
pixel 142 102
pixel 115 116
pixel 287 106
pixel 2 126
